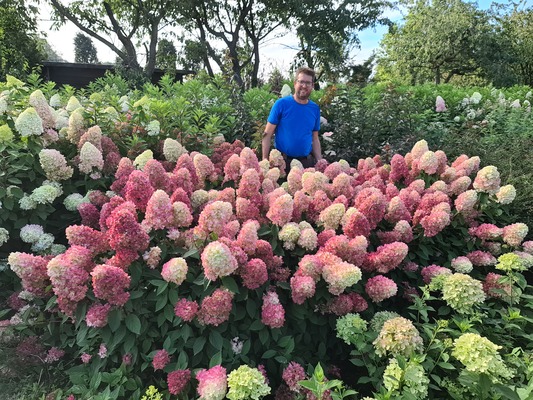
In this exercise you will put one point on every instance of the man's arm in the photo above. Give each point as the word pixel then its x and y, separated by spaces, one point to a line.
pixel 267 139
pixel 317 149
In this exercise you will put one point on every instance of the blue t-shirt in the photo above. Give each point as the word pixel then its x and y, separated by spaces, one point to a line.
pixel 295 125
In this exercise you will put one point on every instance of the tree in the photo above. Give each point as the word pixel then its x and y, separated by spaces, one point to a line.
pixel 84 49
pixel 517 32
pixel 440 39
pixel 130 22
pixel 20 50
pixel 240 25
pixel 166 55
pixel 327 31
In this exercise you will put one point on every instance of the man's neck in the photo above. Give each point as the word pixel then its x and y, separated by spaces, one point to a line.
pixel 300 101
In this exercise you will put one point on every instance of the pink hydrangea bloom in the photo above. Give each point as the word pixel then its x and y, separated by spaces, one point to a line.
pixel 272 312
pixel 372 203
pixel 302 288
pixel 160 360
pixel 404 231
pixel 249 184
pixel 292 374
pixel 186 309
pixel 159 212
pixel 89 214
pixel 157 175
pixel 460 185
pixel 175 270
pixel 152 257
pixel 528 246
pixel 514 234
pixel 90 158
pixel 85 358
pixel 280 211
pixel 308 239
pixel 331 216
pixel 466 201
pixel 431 271
pixel 215 309
pixel 399 169
pixel 110 284
pixel 313 182
pixel 178 380
pixel 254 273
pixel 388 256
pixel 247 237
pixel 32 270
pixel 493 287
pixel 380 288
pixel 204 167
pixel 339 305
pixel 342 184
pixel 428 163
pixel 125 232
pixel 214 216
pixel 462 264
pixel 397 211
pixel 355 224
pixel 54 354
pixel 232 168
pixel 181 213
pixel 319 202
pixel 218 260
pixel 487 232
pixel 440 105
pixel 310 265
pixel 438 219
pixel 102 351
pixel 359 304
pixel 481 258
pixel 97 315
pixel 212 383
pixel 487 180
pixel 340 276
pixel 54 165
pixel 138 189
pixel 294 180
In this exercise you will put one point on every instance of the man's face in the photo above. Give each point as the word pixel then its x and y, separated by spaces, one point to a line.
pixel 303 86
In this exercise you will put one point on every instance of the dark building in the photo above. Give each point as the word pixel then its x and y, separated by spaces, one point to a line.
pixel 80 75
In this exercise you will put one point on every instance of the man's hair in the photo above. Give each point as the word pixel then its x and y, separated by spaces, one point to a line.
pixel 305 71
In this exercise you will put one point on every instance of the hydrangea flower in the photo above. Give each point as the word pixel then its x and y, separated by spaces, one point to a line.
pixel 340 276
pixel 272 312
pixel 487 180
pixel 462 264
pixel 160 360
pixel 410 380
pixel 30 233
pixel 186 309
pixel 178 380
pixel 510 262
pixel 212 383
pixel 292 374
pixel 349 326
pixel 331 216
pixel 380 288
pixel 215 309
pixel 462 293
pixel 514 234
pixel 218 260
pixel 28 123
pixel 97 315
pixel 4 236
pixel 246 383
pixel 6 135
pixel 172 149
pixel 398 336
pixel 302 288
pixel 153 128
pixel 175 270
pixel 90 158
pixel 110 283
pixel 506 194
pixel 479 355
pixel 379 318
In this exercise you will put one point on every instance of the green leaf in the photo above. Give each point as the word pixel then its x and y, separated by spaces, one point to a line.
pixel 216 340
pixel 193 253
pixel 161 302
pixel 445 365
pixel 229 283
pixel 257 325
pixel 113 319
pixel 507 392
pixel 216 359
pixel 268 354
pixel 133 323
pixel 198 345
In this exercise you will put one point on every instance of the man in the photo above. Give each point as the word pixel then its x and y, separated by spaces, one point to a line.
pixel 295 121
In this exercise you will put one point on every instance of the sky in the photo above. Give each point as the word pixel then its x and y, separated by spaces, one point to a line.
pixel 276 53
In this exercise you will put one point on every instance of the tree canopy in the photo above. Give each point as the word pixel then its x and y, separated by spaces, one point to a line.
pixel 84 49
pixel 20 47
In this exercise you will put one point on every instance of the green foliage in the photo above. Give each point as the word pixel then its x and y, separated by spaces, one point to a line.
pixel 84 49
pixel 20 49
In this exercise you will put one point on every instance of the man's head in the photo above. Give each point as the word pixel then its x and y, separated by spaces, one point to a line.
pixel 303 84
